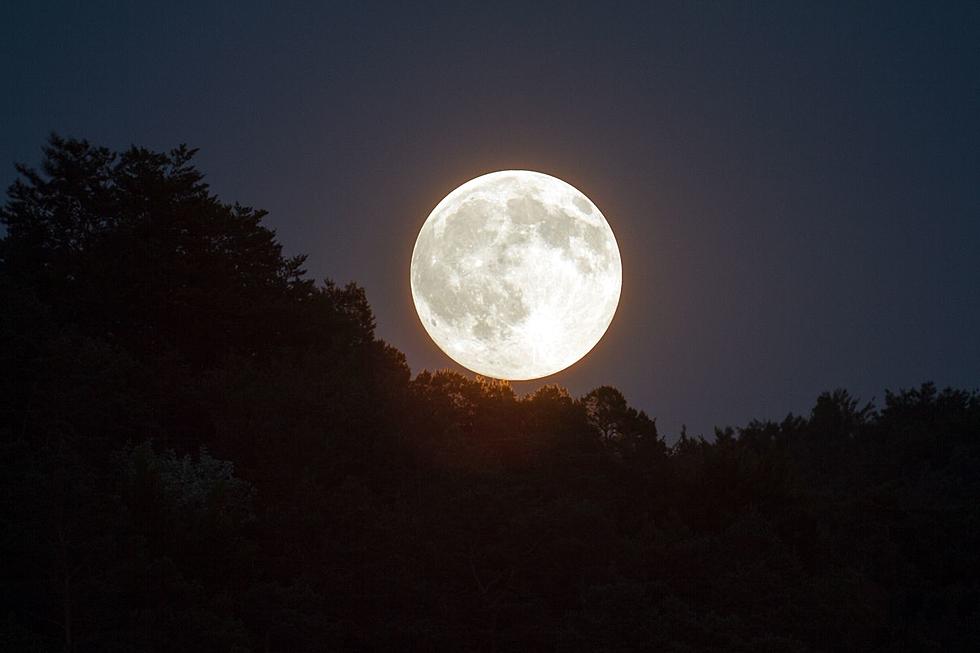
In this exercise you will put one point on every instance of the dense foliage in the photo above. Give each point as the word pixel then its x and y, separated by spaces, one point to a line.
pixel 203 450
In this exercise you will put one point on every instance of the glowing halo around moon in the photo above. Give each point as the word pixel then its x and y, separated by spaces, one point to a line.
pixel 516 275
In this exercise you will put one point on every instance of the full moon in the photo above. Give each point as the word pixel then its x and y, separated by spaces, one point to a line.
pixel 516 275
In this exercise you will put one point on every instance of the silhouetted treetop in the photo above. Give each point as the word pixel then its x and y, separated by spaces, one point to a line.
pixel 133 246
pixel 203 450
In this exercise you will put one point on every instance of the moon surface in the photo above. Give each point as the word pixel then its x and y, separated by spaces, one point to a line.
pixel 516 275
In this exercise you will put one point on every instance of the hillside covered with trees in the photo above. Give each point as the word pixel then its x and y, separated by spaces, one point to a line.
pixel 203 449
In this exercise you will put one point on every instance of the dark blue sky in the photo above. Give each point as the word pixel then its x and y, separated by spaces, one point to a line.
pixel 795 187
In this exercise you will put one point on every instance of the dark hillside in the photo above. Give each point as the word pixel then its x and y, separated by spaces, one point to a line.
pixel 204 450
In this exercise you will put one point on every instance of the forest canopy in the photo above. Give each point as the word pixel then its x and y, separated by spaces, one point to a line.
pixel 204 449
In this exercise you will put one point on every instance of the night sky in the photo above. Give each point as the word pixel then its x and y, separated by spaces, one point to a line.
pixel 795 187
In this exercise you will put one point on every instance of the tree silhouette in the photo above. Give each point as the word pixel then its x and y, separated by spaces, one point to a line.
pixel 203 449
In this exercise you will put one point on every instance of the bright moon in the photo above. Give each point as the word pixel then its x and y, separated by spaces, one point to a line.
pixel 516 275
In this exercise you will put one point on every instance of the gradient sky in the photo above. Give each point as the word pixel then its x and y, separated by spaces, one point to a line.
pixel 795 186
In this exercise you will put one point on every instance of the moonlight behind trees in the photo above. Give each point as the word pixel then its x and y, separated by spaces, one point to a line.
pixel 204 450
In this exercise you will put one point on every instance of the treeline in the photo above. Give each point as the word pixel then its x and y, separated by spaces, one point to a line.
pixel 204 450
